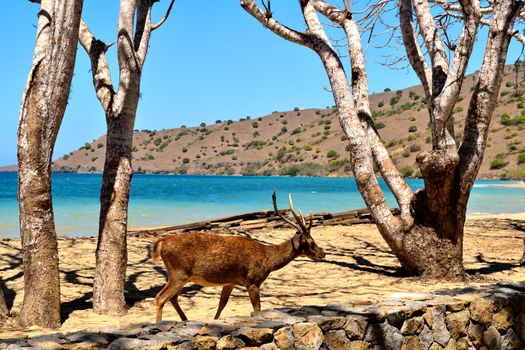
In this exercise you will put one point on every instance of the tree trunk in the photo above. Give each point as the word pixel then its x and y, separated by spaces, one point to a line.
pixel 111 255
pixel 43 106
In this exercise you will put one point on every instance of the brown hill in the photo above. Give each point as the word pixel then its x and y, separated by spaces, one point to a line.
pixel 311 142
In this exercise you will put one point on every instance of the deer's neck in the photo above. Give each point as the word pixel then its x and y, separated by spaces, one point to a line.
pixel 281 254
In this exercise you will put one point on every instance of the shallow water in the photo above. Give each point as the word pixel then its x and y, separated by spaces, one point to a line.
pixel 158 200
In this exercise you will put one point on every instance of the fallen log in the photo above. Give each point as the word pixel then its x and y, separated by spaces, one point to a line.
pixel 261 219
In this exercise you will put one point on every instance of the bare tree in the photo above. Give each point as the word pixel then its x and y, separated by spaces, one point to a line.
pixel 43 106
pixel 427 237
pixel 120 108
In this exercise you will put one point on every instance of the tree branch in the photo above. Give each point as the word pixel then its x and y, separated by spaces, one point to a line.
pixel 387 168
pixel 276 27
pixel 414 53
pixel 143 30
pixel 435 47
pixel 484 97
pixel 130 68
pixel 99 66
pixel 161 22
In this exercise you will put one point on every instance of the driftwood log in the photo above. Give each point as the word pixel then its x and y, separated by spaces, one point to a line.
pixel 258 220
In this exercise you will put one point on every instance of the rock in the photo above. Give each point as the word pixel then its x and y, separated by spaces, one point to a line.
pixel 411 343
pixel 359 345
pixel 451 344
pixel 457 323
pixel 462 344
pixel 86 337
pixel 336 340
pixel 425 338
pixel 518 303
pixel 329 323
pixel 48 342
pixel 481 311
pixel 270 346
pixel 503 320
pixel 203 342
pixel 168 337
pixel 396 318
pixel 283 338
pixel 492 338
pixel 412 326
pixel 439 330
pixel 229 343
pixel 133 343
pixel 456 306
pixel 511 341
pixel 384 334
pixel 428 318
pixel 475 334
pixel 308 336
pixel 355 328
pixel 519 325
pixel 255 336
pixel 435 346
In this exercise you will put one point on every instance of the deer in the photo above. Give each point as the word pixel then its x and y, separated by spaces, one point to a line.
pixel 208 259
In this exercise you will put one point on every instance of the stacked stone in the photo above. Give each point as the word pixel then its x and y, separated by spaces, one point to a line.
pixel 495 321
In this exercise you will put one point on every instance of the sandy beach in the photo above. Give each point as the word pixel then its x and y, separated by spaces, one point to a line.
pixel 358 267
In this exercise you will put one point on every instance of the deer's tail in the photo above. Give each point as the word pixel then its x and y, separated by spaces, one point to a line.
pixel 155 250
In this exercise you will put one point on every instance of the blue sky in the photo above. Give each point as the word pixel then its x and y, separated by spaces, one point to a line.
pixel 209 61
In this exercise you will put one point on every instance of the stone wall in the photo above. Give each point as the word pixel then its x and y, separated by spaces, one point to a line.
pixel 493 318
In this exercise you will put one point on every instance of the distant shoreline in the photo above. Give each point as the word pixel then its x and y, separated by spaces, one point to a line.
pixel 516 182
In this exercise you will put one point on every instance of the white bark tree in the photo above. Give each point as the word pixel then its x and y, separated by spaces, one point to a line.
pixel 43 105
pixel 120 107
pixel 427 237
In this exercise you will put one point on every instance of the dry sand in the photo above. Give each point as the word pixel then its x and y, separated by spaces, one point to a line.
pixel 358 267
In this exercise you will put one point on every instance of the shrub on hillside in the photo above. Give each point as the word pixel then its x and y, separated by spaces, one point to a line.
pixel 497 164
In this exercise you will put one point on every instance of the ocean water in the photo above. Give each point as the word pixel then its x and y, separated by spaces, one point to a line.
pixel 158 200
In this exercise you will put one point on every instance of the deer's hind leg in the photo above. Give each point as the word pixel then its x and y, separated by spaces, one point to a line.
pixel 175 302
pixel 170 290
pixel 225 295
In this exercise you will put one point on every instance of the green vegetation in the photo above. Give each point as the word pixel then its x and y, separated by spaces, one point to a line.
pixel 521 158
pixel 394 100
pixel 258 144
pixel 185 160
pixel 497 164
pixel 415 148
pixel 379 125
pixel 296 131
pixel 184 150
pixel 506 120
pixel 412 128
pixel 381 104
pixel 332 154
pixel 100 145
pixel 407 171
pixel 255 125
pixel 66 157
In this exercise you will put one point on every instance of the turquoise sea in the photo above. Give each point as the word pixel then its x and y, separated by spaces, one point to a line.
pixel 158 200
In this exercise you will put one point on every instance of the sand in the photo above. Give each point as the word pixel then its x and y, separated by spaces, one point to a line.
pixel 358 267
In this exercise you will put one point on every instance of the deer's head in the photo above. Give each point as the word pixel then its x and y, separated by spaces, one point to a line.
pixel 303 241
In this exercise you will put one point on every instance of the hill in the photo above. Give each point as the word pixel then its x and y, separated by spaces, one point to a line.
pixel 310 141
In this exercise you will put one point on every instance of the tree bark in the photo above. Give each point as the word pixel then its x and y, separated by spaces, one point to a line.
pixel 43 106
pixel 120 108
pixel 111 254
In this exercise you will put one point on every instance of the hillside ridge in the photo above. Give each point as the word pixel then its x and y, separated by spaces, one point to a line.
pixel 310 142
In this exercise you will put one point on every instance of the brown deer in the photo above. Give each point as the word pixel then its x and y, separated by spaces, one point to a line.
pixel 216 260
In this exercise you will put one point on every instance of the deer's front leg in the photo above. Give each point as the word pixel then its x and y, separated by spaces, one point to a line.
pixel 225 295
pixel 253 291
